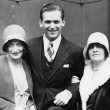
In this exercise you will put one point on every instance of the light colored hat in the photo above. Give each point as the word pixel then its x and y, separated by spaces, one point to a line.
pixel 96 37
pixel 13 32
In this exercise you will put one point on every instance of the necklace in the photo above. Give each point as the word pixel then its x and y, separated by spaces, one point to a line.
pixel 95 69
pixel 17 65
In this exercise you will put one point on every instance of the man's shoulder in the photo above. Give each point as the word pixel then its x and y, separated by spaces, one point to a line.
pixel 34 40
pixel 72 45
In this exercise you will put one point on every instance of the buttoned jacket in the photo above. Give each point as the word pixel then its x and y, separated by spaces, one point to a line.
pixel 68 62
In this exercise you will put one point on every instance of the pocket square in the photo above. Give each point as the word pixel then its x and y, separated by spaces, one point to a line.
pixel 66 66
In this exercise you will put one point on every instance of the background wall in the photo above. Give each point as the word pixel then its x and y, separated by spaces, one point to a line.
pixel 82 17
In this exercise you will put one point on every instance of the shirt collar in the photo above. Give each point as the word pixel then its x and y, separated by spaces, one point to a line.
pixel 56 43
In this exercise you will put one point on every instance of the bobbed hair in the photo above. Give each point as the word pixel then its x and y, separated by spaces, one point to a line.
pixel 6 45
pixel 98 45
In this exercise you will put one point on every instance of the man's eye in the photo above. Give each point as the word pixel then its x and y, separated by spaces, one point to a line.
pixel 56 21
pixel 48 22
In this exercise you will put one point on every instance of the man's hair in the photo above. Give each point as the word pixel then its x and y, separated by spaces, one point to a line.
pixel 51 7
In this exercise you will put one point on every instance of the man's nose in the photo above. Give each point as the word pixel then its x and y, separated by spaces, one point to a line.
pixel 52 25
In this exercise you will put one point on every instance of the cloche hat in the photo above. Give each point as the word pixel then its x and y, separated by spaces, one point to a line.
pixel 12 32
pixel 96 37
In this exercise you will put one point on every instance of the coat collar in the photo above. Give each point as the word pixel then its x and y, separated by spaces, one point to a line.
pixel 89 83
pixel 8 73
pixel 28 76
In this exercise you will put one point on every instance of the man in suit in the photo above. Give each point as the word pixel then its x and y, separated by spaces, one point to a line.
pixel 57 64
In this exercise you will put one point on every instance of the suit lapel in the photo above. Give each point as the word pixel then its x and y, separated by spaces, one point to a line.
pixel 37 48
pixel 61 56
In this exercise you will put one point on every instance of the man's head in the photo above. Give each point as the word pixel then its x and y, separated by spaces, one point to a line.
pixel 51 7
pixel 52 20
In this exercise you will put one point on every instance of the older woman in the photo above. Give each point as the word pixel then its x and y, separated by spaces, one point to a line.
pixel 15 78
pixel 95 84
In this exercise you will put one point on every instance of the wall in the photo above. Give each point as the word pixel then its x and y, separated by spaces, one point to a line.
pixel 82 17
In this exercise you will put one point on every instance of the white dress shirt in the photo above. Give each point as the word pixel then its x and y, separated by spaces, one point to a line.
pixel 56 44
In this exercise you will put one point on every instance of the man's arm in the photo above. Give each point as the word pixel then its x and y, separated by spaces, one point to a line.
pixel 63 97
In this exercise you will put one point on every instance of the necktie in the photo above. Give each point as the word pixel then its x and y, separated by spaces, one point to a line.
pixel 50 50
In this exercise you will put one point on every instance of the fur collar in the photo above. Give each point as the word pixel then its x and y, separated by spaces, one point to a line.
pixel 92 80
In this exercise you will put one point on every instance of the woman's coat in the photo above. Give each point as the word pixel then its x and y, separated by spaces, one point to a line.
pixel 7 99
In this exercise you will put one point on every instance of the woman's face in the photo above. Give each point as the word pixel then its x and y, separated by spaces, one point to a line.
pixel 96 53
pixel 15 50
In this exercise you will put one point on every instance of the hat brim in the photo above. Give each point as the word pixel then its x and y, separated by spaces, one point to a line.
pixel 5 45
pixel 84 52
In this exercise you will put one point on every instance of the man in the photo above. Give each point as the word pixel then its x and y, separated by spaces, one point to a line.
pixel 57 64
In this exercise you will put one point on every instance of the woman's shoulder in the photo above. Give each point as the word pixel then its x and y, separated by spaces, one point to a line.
pixel 3 62
pixel 107 84
pixel 106 89
pixel 2 58
pixel 25 64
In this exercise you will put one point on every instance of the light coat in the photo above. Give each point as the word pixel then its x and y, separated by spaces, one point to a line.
pixel 7 90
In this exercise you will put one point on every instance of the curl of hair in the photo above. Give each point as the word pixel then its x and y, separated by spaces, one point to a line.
pixel 6 45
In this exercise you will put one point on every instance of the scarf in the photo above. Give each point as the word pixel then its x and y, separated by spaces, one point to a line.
pixel 20 83
pixel 89 83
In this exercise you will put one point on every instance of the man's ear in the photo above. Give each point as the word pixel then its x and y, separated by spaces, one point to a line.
pixel 63 24
pixel 40 23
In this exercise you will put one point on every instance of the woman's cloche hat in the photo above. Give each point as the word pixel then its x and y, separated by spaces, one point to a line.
pixel 11 32
pixel 96 37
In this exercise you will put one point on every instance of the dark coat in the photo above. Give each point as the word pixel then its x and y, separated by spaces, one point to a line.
pixel 100 98
pixel 7 99
pixel 60 78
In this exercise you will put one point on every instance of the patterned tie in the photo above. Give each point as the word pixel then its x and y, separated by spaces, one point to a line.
pixel 50 50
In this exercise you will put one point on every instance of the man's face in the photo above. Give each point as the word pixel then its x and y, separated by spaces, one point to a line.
pixel 52 24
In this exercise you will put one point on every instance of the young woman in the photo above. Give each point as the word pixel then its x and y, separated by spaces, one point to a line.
pixel 95 84
pixel 15 78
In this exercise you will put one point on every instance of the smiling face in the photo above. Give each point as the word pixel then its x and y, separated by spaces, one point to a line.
pixel 96 52
pixel 52 24
pixel 15 50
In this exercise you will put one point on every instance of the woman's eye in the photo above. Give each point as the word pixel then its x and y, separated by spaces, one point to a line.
pixel 19 45
pixel 10 45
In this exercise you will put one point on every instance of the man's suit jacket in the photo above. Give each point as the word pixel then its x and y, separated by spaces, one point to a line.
pixel 68 62
pixel 7 90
